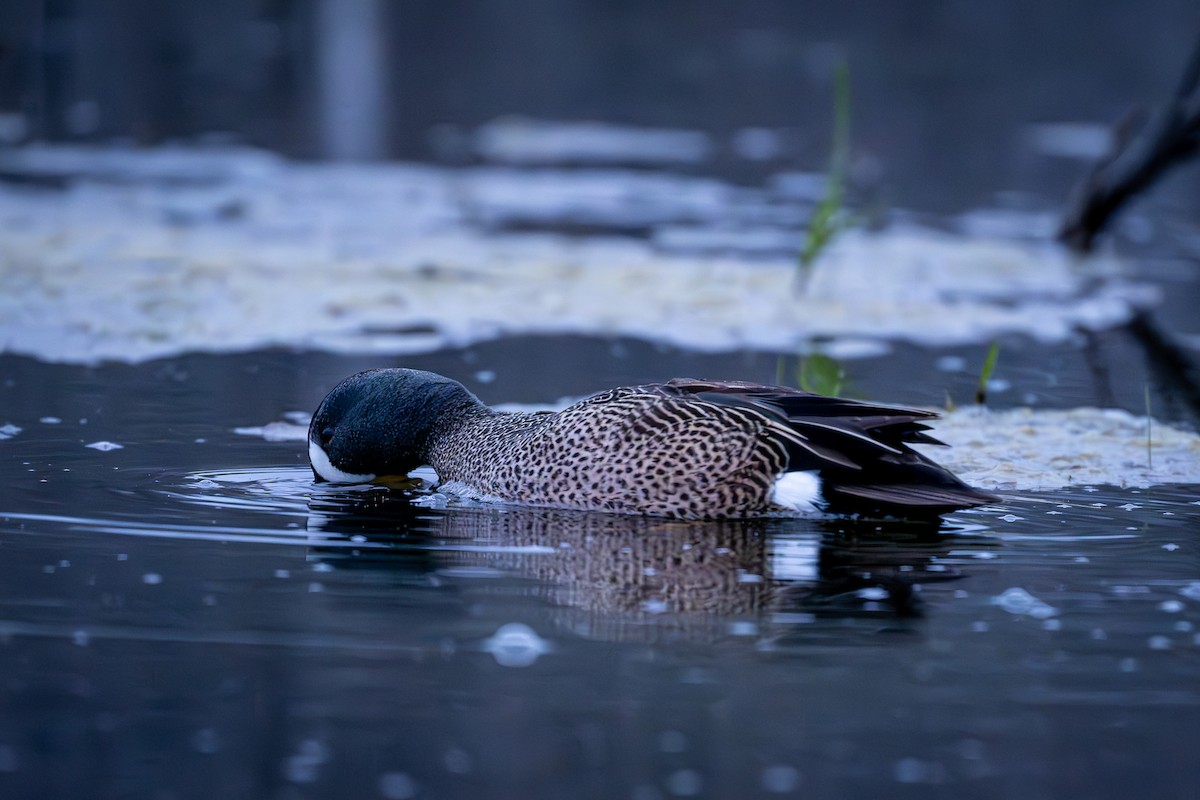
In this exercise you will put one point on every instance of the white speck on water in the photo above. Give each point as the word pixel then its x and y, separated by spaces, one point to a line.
pixel 1191 591
pixel 646 792
pixel 1011 518
pixel 1099 634
pixel 1052 624
pixel 743 628
pixel 303 765
pixel 315 587
pixel 873 593
pixel 951 364
pixel 961 594
pixel 1128 664
pixel 104 447
pixel 80 638
pixel 358 538
pixel 485 376
pixel 780 779
pixel 8 431
pixel 206 741
pixel 1016 600
pixel 322 566
pixel 152 578
pixel 276 432
pixel 49 569
pixel 1159 642
pixel 1171 606
pixel 50 420
pixel 1183 626
pixel 672 742
pixel 1130 507
pixel 64 563
pixel 397 786
pixel 685 783
pixel 912 770
pixel 458 761
pixel 283 573
pixel 655 606
pixel 199 440
pixel 122 556
pixel 515 644
pixel 1170 547
pixel 8 758
pixel 1082 560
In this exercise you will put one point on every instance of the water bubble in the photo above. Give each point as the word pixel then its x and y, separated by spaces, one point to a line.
pixel 302 767
pixel 911 770
pixel 743 628
pixel 780 779
pixel 397 786
pixel 1018 601
pixel 655 606
pixel 458 761
pixel 515 644
pixel 206 740
pixel 685 783
pixel 104 447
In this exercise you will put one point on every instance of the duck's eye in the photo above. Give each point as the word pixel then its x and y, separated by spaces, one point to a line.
pixel 326 435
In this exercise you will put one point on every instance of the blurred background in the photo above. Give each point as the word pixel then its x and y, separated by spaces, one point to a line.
pixel 944 91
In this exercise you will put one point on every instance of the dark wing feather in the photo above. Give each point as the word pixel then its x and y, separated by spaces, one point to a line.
pixel 860 449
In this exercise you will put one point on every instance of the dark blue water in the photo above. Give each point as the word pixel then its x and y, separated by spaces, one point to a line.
pixel 189 616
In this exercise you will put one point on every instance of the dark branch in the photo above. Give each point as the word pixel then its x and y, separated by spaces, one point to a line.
pixel 1169 137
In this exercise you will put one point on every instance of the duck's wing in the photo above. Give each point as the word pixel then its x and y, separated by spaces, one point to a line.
pixel 860 449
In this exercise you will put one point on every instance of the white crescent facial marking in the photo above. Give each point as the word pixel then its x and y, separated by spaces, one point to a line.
pixel 320 462
pixel 799 491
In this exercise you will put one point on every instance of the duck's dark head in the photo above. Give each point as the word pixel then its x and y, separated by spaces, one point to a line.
pixel 379 422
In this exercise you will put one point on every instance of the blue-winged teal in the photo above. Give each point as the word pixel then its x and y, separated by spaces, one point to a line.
pixel 686 448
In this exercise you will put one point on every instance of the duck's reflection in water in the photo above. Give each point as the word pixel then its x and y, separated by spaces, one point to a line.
pixel 652 575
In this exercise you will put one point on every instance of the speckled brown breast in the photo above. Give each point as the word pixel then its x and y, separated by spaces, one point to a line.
pixel 626 450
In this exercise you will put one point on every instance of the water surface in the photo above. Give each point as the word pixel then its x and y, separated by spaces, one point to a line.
pixel 188 615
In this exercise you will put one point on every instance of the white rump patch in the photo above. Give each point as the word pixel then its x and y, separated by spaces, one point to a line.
pixel 328 471
pixel 799 491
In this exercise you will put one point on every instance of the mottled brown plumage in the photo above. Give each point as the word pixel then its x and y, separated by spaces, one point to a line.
pixel 686 448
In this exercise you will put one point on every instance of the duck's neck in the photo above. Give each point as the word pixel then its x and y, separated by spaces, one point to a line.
pixel 480 444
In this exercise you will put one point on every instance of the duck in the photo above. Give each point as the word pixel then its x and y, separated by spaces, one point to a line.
pixel 686 449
